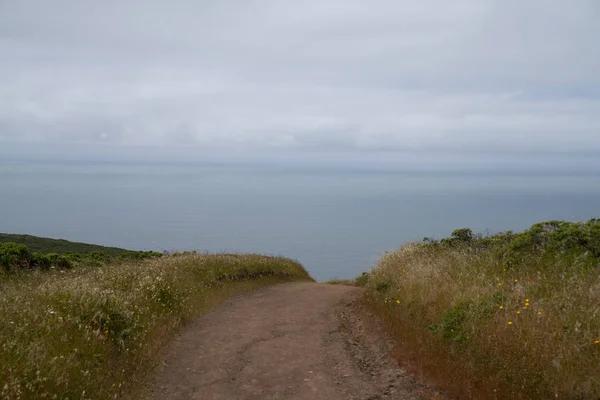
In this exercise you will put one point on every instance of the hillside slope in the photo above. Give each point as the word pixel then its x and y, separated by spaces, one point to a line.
pixel 60 246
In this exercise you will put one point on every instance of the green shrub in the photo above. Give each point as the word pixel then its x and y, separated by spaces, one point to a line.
pixel 97 258
pixel 560 236
pixel 363 279
pixel 63 263
pixel 41 261
pixel 14 256
pixel 453 319
pixel 107 319
pixel 53 257
pixel 458 237
pixel 138 255
pixel 73 257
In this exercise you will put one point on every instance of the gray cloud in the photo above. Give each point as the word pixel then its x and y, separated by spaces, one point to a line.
pixel 339 74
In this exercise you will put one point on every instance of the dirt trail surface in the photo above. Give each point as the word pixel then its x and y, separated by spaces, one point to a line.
pixel 288 341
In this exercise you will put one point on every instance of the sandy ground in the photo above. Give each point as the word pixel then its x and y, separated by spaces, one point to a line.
pixel 288 341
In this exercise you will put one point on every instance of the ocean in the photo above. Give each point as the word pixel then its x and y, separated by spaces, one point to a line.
pixel 335 222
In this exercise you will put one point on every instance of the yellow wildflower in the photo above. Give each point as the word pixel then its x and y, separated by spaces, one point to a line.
pixel 509 322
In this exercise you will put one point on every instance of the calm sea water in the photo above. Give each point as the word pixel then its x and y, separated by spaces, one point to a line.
pixel 335 223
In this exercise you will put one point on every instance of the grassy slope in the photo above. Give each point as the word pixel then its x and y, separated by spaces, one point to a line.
pixel 95 333
pixel 495 321
pixel 60 246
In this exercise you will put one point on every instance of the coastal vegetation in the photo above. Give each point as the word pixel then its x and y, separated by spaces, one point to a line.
pixel 487 316
pixel 95 332
pixel 59 246
pixel 24 252
pixel 501 316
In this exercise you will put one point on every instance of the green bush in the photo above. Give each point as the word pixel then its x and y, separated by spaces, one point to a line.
pixel 97 257
pixel 363 279
pixel 549 239
pixel 458 237
pixel 14 256
pixel 63 263
pixel 41 261
pixel 138 255
pixel 53 257
pixel 73 257
pixel 560 236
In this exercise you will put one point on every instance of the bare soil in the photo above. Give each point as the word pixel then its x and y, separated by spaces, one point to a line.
pixel 288 341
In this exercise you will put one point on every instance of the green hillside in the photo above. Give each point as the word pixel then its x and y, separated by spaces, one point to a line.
pixel 60 246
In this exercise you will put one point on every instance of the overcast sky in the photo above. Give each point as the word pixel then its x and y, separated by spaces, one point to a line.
pixel 343 75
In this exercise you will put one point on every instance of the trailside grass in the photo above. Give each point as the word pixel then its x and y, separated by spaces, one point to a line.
pixel 95 333
pixel 509 316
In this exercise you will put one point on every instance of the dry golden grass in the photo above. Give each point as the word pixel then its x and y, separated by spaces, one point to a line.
pixel 485 331
pixel 94 333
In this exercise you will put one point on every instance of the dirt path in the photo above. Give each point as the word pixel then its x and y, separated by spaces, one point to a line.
pixel 289 341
